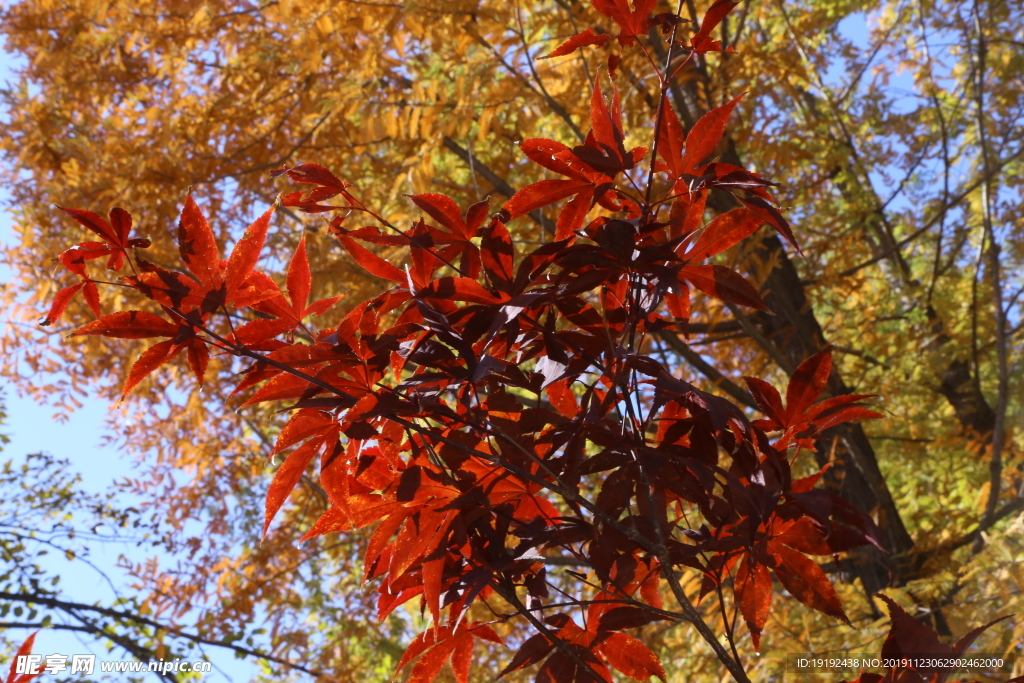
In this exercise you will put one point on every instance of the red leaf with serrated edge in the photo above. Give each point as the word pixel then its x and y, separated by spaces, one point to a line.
pixel 570 218
pixel 606 126
pixel 632 22
pixel 461 658
pixel 196 243
pixel 92 297
pixel 627 616
pixel 753 589
pixel 286 477
pixel 806 582
pixel 129 325
pixel 150 360
pixel 965 641
pixel 198 359
pixel 298 281
pixel 556 157
pixel 95 223
pixel 23 651
pixel 631 657
pixel 372 263
pixel 246 252
pixel 433 573
pixel 302 425
pixel 74 259
pixel 458 289
pixel 671 138
pixel 807 383
pixel 769 214
pixel 579 40
pixel 562 398
pixel 422 643
pixel 542 193
pixel 804 536
pixel 353 512
pixel 497 253
pixel 768 399
pixel 723 283
pixel 908 636
pixel 679 304
pixel 848 414
pixel 724 231
pixel 60 302
pixel 121 222
pixel 280 387
pixel 258 331
pixel 533 649
pixel 442 209
pixel 807 483
pixel 323 305
pixel 705 135
pixel 562 667
pixel 313 174
pixel 702 42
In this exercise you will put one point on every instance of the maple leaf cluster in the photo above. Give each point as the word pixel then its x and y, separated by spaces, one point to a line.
pixel 492 408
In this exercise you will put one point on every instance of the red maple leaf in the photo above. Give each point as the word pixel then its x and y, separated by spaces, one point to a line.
pixel 589 169
pixel 802 418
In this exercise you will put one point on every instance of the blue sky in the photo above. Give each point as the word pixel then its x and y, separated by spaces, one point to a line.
pixel 76 436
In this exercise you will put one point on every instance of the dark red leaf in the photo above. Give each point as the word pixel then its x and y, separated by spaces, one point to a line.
pixel 806 582
pixel 534 649
pixel 753 589
pixel 807 383
pixel 723 283
pixel 768 399
pixel 671 138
